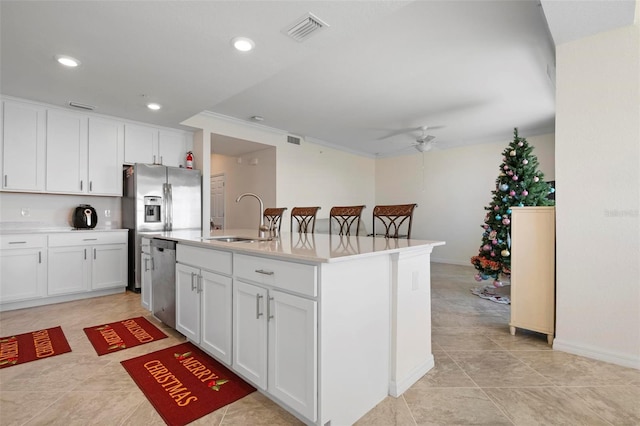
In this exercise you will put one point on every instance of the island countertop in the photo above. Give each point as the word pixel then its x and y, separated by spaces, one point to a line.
pixel 295 246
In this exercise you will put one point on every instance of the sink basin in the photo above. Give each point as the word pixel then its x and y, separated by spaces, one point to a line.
pixel 231 239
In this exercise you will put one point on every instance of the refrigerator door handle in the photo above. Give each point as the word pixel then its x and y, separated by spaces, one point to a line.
pixel 169 207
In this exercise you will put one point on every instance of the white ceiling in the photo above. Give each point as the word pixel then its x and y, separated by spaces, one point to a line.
pixel 476 68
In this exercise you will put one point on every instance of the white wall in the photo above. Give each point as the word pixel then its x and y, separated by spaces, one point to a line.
pixel 451 187
pixel 54 210
pixel 598 197
pixel 245 176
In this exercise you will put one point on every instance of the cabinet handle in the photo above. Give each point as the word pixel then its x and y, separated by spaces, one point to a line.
pixel 89 239
pixel 269 316
pixel 146 264
pixel 154 159
pixel 258 313
pixel 199 283
pixel 90 185
pixel 39 257
pixel 17 242
pixel 161 160
pixel 5 180
pixel 85 254
pixel 262 271
pixel 94 254
pixel 80 185
pixel 193 286
pixel 153 264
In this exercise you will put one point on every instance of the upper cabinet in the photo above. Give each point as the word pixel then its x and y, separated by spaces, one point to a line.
pixel 23 146
pixel 60 151
pixel 150 145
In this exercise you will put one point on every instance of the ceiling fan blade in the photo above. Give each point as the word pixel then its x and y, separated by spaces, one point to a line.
pixel 398 132
pixel 425 139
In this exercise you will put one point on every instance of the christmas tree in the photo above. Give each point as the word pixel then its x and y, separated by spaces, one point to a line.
pixel 520 184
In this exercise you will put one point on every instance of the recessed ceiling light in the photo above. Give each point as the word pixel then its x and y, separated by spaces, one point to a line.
pixel 154 106
pixel 67 61
pixel 243 44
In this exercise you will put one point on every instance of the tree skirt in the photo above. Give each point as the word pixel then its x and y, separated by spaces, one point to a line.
pixel 495 294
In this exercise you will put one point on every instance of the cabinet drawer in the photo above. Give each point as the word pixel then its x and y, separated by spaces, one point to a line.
pixel 211 260
pixel 67 239
pixel 290 276
pixel 19 241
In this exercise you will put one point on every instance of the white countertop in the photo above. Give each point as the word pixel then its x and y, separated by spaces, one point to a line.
pixel 55 230
pixel 307 247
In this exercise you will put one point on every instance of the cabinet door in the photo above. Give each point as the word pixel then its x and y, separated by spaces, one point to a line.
pixel 250 333
pixel 23 274
pixel 145 280
pixel 216 292
pixel 140 144
pixel 68 270
pixel 23 147
pixel 106 145
pixel 293 352
pixel 173 147
pixel 108 266
pixel 187 302
pixel 66 152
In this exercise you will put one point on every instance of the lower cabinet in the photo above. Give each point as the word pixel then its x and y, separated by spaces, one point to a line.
pixel 145 275
pixel 87 261
pixel 23 267
pixel 203 308
pixel 275 344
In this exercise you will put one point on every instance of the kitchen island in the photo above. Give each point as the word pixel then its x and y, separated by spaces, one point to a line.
pixel 326 326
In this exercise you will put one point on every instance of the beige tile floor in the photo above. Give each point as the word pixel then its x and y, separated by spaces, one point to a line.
pixel 483 375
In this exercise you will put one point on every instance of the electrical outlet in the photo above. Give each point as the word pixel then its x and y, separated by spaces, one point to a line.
pixel 25 212
pixel 107 213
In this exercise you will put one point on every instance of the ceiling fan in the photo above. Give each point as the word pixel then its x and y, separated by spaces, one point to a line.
pixel 424 142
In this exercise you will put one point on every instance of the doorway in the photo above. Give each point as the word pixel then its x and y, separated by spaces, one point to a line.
pixel 217 201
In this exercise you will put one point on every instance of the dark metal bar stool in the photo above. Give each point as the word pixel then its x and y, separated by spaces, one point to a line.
pixel 346 217
pixel 305 217
pixel 393 218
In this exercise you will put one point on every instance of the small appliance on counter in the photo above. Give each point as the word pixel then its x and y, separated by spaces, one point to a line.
pixel 85 217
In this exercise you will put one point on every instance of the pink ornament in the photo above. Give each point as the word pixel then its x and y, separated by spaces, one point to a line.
pixel 515 177
pixel 506 221
pixel 509 173
pixel 498 284
pixel 525 193
pixel 496 208
pixel 494 242
pixel 477 277
pixel 536 179
pixel 506 167
pixel 485 226
pixel 493 254
pixel 525 161
pixel 486 247
pixel 520 144
pixel 512 193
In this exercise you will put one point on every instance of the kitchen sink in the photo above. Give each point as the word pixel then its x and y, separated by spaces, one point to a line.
pixel 232 239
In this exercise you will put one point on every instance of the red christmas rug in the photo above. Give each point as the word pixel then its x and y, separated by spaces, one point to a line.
pixel 32 346
pixel 183 383
pixel 116 336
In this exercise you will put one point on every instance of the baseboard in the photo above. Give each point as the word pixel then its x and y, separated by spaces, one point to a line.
pixel 398 388
pixel 451 261
pixel 597 353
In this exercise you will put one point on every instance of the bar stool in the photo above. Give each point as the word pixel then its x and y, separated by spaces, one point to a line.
pixel 305 217
pixel 346 217
pixel 273 215
pixel 393 218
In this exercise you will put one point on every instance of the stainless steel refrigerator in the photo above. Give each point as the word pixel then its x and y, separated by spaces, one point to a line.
pixel 155 199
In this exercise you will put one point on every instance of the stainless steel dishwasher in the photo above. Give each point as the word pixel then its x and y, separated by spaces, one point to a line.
pixel 163 280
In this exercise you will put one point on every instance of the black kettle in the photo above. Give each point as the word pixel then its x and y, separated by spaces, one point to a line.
pixel 85 217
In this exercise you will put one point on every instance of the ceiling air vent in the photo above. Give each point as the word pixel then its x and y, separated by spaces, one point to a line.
pixel 293 139
pixel 304 27
pixel 82 106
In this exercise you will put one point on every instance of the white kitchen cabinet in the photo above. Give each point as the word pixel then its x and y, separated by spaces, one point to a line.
pixel 105 151
pixel 80 262
pixel 23 146
pixel 145 275
pixel 23 267
pixel 203 299
pixel 173 147
pixel 66 152
pixel 275 333
pixel 150 145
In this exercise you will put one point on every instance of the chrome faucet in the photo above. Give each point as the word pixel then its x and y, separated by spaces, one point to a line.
pixel 262 228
